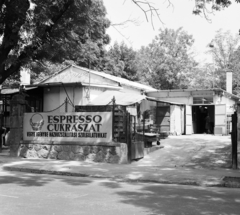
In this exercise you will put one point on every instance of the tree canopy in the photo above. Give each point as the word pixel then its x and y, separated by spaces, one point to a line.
pixel 121 61
pixel 36 31
pixel 44 35
pixel 166 62
pixel 224 50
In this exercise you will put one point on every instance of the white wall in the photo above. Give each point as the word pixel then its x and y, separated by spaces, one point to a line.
pixel 95 92
pixel 56 96
pixel 225 100
pixel 66 93
pixel 51 98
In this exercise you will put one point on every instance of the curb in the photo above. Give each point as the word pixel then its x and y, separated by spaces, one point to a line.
pixel 190 182
pixel 51 172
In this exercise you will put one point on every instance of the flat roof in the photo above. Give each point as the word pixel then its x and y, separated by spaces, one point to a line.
pixel 192 90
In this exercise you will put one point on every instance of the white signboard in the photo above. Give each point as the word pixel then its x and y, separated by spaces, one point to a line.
pixel 70 127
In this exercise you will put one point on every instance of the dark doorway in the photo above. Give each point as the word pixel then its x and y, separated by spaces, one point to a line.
pixel 203 119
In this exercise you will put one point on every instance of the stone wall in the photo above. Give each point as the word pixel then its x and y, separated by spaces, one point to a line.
pixel 117 153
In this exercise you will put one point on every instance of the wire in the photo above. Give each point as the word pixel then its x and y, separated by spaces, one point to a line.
pixel 67 95
pixel 55 108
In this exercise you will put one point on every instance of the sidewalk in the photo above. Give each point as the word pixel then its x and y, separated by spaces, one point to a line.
pixel 134 173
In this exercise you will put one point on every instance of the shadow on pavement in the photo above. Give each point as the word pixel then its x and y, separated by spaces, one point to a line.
pixel 185 200
pixel 212 158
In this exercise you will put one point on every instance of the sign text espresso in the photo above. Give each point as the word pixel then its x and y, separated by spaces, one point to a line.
pixel 87 126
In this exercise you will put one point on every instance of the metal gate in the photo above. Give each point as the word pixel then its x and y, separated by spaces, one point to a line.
pixel 123 128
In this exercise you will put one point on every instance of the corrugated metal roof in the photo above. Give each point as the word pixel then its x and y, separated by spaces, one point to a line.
pixel 121 98
pixel 122 81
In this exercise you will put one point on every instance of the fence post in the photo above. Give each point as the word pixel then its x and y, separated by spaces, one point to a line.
pixel 1 117
pixel 1 130
pixel 113 120
pixel 234 138
pixel 128 136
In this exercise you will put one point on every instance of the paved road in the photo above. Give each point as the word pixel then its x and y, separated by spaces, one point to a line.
pixel 196 151
pixel 30 194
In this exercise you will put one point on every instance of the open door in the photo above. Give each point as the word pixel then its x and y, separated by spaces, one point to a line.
pixel 220 119
pixel 188 121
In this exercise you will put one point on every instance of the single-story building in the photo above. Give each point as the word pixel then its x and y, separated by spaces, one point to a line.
pixel 79 113
pixel 55 118
pixel 80 86
pixel 216 103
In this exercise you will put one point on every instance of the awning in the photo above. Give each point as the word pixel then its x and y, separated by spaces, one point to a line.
pixel 121 98
pixel 9 91
pixel 14 90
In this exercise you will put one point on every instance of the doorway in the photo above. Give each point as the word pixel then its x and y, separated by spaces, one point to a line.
pixel 203 119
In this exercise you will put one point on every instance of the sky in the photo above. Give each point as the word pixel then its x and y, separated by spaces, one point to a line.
pixel 139 32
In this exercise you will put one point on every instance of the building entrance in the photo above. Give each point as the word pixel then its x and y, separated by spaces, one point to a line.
pixel 203 119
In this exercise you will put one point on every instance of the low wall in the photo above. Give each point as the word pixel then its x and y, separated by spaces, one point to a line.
pixel 116 153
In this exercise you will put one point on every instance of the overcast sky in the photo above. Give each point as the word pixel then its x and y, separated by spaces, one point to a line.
pixel 179 14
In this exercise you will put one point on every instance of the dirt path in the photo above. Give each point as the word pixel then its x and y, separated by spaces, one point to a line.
pixel 195 151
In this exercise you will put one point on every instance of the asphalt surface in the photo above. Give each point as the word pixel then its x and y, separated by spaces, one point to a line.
pixel 200 160
pixel 37 194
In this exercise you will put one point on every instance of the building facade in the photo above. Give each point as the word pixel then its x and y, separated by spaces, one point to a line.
pixel 216 104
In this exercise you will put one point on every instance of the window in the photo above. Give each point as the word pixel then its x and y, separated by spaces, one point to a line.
pixel 202 100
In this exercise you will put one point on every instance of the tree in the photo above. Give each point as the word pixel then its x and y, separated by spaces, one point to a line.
pixel 202 77
pixel 224 51
pixel 121 61
pixel 166 62
pixel 236 71
pixel 208 6
pixel 37 31
pixel 204 7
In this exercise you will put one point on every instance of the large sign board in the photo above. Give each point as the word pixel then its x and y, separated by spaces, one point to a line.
pixel 70 127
